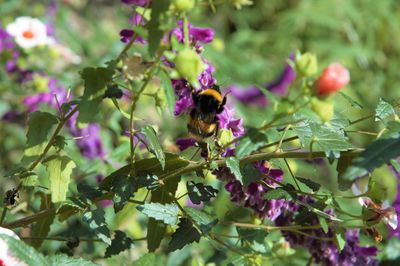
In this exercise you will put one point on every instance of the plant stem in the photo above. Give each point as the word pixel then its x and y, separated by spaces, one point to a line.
pixel 186 31
pixel 3 215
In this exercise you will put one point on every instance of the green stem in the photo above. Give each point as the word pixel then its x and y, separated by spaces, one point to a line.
pixel 292 175
pixel 186 31
pixel 3 215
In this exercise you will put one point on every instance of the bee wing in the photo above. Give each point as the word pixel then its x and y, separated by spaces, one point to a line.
pixel 391 220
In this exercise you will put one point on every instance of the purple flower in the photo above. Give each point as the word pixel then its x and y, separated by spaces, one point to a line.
pixel 127 34
pixel 89 141
pixel 252 195
pixel 396 205
pixel 136 2
pixel 251 95
pixel 184 143
pixel 184 94
pixel 196 35
pixel 6 41
pixel 226 120
pixel 254 96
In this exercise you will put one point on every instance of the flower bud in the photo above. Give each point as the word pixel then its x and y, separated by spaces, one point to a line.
pixel 183 5
pixel 306 64
pixel 332 79
pixel 323 108
pixel 189 65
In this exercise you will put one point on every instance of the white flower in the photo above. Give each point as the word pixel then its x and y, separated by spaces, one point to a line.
pixel 28 32
pixel 6 257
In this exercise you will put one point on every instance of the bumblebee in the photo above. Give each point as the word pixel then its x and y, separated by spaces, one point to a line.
pixel 203 120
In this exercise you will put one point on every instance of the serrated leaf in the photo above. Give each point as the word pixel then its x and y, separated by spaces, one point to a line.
pixel 250 174
pixel 97 222
pixel 39 127
pixel 155 33
pixel 198 192
pixel 353 102
pixel 23 252
pixel 61 259
pixel 145 167
pixel 154 144
pixel 314 186
pixel 87 191
pixel 253 238
pixel 169 90
pixel 185 234
pixel 95 80
pixel 234 166
pixel 383 110
pixel 156 229
pixel 167 213
pixel 123 190
pixel 253 141
pixel 69 208
pixel 376 154
pixel 322 138
pixel 205 221
pixel 59 170
pixel 277 193
pixel 120 243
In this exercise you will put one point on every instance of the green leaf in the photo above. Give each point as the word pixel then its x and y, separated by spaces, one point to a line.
pixel 156 229
pixel 309 183
pixel 61 259
pixel 205 221
pixel 250 174
pixel 88 192
pixel 341 167
pixel 69 208
pixel 396 165
pixel 277 193
pixel 155 33
pixel 145 167
pixel 39 127
pixel 383 110
pixel 322 138
pixel 198 192
pixel 97 223
pixel 254 239
pixel 234 165
pixel 376 154
pixel 185 234
pixel 95 80
pixel 23 252
pixel 149 259
pixel 120 243
pixel 353 102
pixel 155 146
pixel 123 190
pixel 324 224
pixel 42 227
pixel 89 109
pixel 60 170
pixel 253 141
pixel 169 90
pixel 167 213
pixel 340 240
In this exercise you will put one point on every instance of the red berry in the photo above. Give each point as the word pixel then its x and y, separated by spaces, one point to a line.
pixel 332 79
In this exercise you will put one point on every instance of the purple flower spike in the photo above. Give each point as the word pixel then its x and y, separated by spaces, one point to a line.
pixel 127 34
pixel 185 101
pixel 196 34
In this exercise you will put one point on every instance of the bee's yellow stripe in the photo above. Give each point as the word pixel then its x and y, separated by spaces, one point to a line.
pixel 212 93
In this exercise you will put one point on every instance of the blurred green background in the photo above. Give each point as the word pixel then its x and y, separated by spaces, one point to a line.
pixel 250 47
